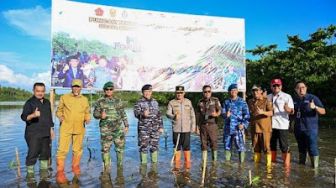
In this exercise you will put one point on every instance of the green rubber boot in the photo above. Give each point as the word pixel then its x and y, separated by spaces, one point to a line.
pixel 107 161
pixel 154 157
pixel 214 155
pixel 143 158
pixel 30 172
pixel 227 155
pixel 241 157
pixel 120 156
pixel 314 161
pixel 44 169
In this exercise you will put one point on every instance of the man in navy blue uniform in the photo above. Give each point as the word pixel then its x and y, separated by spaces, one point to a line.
pixel 307 109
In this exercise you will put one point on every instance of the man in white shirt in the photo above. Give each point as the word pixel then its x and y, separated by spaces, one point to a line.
pixel 283 106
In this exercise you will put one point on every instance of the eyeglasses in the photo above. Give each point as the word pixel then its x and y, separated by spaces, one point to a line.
pixel 275 85
pixel 207 91
pixel 179 93
pixel 109 89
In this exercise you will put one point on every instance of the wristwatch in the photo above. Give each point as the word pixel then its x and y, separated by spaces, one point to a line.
pixel 315 108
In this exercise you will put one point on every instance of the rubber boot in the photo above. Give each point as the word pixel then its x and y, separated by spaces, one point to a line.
pixel 214 155
pixel 143 158
pixel 187 159
pixel 274 155
pixel 268 159
pixel 120 156
pixel 241 157
pixel 60 176
pixel 107 162
pixel 314 161
pixel 302 158
pixel 154 157
pixel 286 159
pixel 227 155
pixel 76 165
pixel 257 157
pixel 43 169
pixel 177 159
pixel 30 172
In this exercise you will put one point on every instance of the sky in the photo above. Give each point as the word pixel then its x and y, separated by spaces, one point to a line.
pixel 25 42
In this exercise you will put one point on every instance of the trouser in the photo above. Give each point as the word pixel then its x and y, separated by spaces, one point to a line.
pixel 38 147
pixel 307 141
pixel 238 140
pixel 184 141
pixel 148 137
pixel 109 135
pixel 65 140
pixel 282 137
pixel 209 131
pixel 261 142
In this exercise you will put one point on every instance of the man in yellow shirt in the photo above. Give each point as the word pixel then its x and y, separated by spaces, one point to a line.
pixel 73 112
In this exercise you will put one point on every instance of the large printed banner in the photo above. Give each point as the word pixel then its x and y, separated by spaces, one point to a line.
pixel 132 47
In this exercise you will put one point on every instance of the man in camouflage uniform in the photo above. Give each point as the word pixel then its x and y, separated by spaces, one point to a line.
pixel 236 115
pixel 208 109
pixel 150 124
pixel 112 117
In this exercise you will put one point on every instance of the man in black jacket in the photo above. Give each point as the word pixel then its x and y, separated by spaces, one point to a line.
pixel 39 129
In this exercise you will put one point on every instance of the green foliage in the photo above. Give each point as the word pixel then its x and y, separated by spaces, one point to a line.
pixel 13 94
pixel 312 60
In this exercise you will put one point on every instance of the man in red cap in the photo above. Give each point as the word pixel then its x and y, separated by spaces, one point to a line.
pixel 283 106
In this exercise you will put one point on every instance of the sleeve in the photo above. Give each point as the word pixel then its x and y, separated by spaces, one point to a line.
pixel 159 118
pixel 60 109
pixel 193 118
pixel 198 114
pixel 137 110
pixel 290 102
pixel 269 106
pixel 169 112
pixel 246 115
pixel 50 115
pixel 97 110
pixel 218 107
pixel 318 102
pixel 27 109
pixel 224 110
pixel 123 114
pixel 87 110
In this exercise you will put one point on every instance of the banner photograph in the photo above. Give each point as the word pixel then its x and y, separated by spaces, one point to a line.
pixel 131 47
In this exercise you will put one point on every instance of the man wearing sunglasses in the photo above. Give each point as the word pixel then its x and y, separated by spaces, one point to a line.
pixel 113 125
pixel 181 112
pixel 282 107
pixel 208 109
pixel 236 115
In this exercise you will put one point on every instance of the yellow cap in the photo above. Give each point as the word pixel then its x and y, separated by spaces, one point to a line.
pixel 77 82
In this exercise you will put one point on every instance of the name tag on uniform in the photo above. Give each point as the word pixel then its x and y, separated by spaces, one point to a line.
pixel 298 115
pixel 206 117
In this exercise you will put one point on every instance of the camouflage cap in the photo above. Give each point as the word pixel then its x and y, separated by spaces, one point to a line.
pixel 108 85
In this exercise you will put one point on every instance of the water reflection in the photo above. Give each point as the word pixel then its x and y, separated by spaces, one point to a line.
pixel 220 174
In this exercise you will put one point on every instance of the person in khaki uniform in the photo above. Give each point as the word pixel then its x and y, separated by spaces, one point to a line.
pixel 73 112
pixel 182 114
pixel 261 111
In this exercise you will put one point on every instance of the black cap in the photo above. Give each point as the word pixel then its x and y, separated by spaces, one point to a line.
pixel 146 87
pixel 179 88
